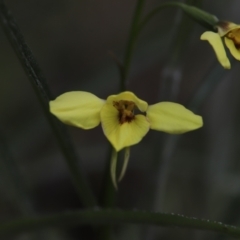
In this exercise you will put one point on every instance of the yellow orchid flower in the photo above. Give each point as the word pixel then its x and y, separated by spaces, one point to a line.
pixel 121 126
pixel 231 34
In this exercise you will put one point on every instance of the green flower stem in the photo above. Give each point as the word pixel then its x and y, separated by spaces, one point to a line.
pixel 108 197
pixel 113 217
pixel 131 43
pixel 207 20
pixel 39 84
pixel 108 192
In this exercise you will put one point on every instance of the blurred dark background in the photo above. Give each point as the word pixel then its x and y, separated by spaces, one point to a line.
pixel 195 174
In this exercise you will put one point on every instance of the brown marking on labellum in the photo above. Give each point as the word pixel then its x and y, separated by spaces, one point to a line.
pixel 125 110
pixel 223 24
pixel 234 35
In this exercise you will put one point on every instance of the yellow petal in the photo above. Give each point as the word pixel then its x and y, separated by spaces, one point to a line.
pixel 232 48
pixel 129 96
pixel 216 42
pixel 122 135
pixel 172 118
pixel 125 163
pixel 80 109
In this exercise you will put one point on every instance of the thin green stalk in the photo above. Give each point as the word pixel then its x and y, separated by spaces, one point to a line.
pixel 108 192
pixel 42 91
pixel 115 217
pixel 131 43
pixel 155 11
pixel 108 197
pixel 207 20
